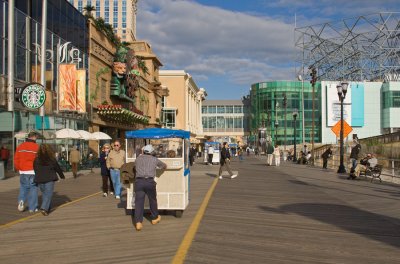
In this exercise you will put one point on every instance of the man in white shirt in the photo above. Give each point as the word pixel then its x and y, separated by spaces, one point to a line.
pixel 210 154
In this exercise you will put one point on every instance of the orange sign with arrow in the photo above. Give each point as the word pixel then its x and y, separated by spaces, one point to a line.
pixel 346 129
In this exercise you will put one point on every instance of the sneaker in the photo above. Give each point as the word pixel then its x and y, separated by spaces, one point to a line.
pixel 104 194
pixel 117 197
pixel 220 177
pixel 21 206
pixel 138 226
pixel 33 211
pixel 111 193
pixel 156 221
pixel 233 176
pixel 44 212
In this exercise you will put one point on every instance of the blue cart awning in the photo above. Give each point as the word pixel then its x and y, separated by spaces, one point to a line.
pixel 157 133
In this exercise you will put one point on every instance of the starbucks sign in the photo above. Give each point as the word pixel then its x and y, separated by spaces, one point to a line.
pixel 33 95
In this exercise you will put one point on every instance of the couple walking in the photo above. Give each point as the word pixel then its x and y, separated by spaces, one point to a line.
pixel 38 168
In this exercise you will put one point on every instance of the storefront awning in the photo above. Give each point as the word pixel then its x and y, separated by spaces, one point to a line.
pixel 120 114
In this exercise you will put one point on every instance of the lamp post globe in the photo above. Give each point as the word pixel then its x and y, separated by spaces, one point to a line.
pixel 295 113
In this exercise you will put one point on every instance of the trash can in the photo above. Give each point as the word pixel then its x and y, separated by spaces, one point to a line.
pixel 2 173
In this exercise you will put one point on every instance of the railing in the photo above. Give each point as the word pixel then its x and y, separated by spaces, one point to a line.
pixel 390 171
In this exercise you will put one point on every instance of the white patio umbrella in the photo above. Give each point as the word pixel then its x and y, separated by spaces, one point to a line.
pixel 67 133
pixel 85 135
pixel 100 136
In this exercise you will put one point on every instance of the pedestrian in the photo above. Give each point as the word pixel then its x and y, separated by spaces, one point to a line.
pixel 46 169
pixel 74 159
pixel 325 156
pixel 115 160
pixel 192 155
pixel 210 154
pixel 240 154
pixel 305 150
pixel 25 154
pixel 355 152
pixel 225 161
pixel 146 166
pixel 270 151
pixel 248 151
pixel 104 171
pixel 277 155
pixel 5 155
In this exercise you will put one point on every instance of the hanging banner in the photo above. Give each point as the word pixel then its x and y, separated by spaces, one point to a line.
pixel 67 87
pixel 81 91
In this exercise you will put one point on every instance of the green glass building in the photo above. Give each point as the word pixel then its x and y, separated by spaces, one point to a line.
pixel 267 107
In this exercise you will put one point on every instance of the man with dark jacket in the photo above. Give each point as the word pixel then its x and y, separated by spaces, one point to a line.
pixel 225 161
pixel 355 151
pixel 270 151
pixel 325 157
pixel 25 154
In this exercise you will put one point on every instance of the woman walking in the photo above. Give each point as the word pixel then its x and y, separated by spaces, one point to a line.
pixel 277 155
pixel 46 169
pixel 105 172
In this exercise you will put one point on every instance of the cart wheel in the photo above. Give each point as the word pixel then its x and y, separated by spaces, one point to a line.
pixel 178 213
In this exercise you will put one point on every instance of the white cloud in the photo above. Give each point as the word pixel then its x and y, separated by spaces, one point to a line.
pixel 209 41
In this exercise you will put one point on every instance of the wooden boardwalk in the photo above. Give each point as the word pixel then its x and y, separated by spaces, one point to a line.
pixel 289 214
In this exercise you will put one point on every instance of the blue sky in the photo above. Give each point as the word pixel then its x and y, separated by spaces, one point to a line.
pixel 226 45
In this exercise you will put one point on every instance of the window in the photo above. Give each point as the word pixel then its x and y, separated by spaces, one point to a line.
pixel 169 117
pixel 80 5
pixel 204 109
pixel 238 109
pixel 220 122
pixel 229 109
pixel 163 101
pixel 97 8
pixel 211 109
pixel 221 109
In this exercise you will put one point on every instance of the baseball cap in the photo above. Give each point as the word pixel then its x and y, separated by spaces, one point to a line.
pixel 148 149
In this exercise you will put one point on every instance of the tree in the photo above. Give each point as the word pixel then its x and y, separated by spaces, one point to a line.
pixel 88 11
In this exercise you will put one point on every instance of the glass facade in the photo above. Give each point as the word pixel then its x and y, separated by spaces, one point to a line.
pixel 391 99
pixel 266 107
pixel 223 118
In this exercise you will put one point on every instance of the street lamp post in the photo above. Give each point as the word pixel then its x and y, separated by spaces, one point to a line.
pixel 284 105
pixel 342 90
pixel 276 122
pixel 295 113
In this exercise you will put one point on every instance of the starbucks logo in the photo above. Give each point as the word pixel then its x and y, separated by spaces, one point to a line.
pixel 33 95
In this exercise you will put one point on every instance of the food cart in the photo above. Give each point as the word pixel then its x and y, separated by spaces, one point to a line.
pixel 216 154
pixel 233 149
pixel 171 147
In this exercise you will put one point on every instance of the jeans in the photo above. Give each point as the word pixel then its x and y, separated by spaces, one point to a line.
pixel 106 179
pixel 47 193
pixel 269 159
pixel 115 178
pixel 353 163
pixel 145 187
pixel 28 189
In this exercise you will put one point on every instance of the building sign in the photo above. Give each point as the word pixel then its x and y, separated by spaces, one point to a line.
pixel 33 96
pixel 333 104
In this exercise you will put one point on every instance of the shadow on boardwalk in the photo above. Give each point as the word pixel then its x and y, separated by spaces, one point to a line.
pixel 373 226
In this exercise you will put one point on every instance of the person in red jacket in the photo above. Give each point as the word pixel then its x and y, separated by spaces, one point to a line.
pixel 25 154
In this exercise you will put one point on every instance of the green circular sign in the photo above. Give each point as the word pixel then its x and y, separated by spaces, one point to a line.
pixel 33 95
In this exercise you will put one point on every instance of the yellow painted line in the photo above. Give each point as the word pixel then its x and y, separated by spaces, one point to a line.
pixel 180 254
pixel 38 213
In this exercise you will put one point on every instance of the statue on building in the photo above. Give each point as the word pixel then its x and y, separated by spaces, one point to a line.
pixel 125 76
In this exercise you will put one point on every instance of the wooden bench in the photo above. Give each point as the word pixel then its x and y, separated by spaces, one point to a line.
pixel 374 172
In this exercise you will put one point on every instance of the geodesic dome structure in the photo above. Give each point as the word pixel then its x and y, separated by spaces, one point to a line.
pixel 361 48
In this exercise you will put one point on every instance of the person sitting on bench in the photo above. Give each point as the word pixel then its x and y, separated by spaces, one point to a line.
pixel 368 161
